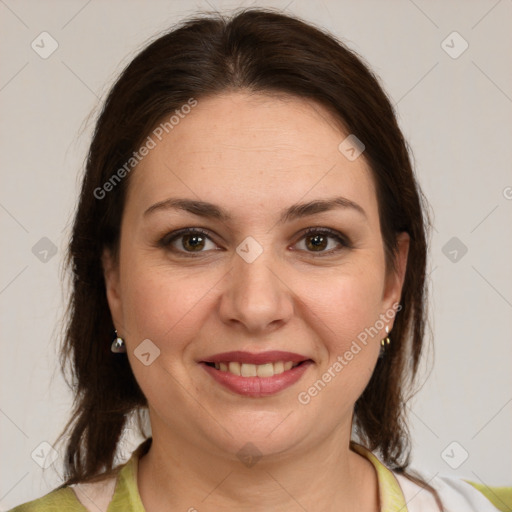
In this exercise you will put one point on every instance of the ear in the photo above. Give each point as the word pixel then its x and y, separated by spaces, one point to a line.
pixel 112 287
pixel 395 279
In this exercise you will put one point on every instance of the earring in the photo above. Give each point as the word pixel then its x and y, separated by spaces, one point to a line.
pixel 384 343
pixel 118 346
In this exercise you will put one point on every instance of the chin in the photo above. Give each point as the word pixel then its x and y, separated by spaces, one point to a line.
pixel 260 434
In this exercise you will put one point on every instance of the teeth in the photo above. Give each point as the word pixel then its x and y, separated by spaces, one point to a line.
pixel 248 370
pixel 255 370
pixel 234 367
pixel 265 370
pixel 278 367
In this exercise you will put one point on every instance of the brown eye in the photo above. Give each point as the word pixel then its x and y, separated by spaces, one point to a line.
pixel 316 242
pixel 193 242
pixel 188 241
pixel 323 241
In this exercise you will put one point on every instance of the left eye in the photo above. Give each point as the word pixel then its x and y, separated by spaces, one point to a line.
pixel 317 240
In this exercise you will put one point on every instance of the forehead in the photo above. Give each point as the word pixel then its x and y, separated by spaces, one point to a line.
pixel 249 150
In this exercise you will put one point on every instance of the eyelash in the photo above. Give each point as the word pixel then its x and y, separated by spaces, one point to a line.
pixel 167 240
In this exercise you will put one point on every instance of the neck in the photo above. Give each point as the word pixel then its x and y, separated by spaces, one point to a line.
pixel 177 474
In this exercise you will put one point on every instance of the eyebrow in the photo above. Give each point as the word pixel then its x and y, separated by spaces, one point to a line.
pixel 210 210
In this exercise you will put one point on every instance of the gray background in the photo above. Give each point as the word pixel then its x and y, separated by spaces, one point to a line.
pixel 455 112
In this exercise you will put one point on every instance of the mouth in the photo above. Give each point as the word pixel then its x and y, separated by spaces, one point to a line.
pixel 256 375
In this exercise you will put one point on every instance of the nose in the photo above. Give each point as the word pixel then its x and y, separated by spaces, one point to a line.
pixel 256 299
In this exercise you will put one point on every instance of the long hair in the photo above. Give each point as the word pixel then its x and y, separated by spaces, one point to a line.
pixel 257 50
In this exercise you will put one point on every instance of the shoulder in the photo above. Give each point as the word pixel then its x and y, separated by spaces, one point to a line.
pixel 84 497
pixel 57 500
pixel 116 490
pixel 501 497
pixel 456 494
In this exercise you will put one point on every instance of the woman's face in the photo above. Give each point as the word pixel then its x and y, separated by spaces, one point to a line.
pixel 253 281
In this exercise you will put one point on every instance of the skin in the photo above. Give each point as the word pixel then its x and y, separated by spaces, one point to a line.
pixel 254 155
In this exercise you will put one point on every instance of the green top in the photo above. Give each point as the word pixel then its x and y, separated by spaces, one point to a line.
pixel 126 496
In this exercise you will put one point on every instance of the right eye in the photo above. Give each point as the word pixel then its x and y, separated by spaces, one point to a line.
pixel 187 241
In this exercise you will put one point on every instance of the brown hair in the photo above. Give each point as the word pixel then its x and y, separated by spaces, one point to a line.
pixel 258 50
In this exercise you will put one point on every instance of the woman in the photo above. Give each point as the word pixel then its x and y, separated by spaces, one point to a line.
pixel 251 229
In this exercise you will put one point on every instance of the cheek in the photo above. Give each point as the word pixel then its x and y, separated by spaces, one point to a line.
pixel 343 314
pixel 164 306
pixel 346 304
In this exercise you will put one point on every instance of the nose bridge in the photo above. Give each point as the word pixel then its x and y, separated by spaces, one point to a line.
pixel 255 296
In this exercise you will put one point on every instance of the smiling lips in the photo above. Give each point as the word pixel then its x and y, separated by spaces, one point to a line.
pixel 256 375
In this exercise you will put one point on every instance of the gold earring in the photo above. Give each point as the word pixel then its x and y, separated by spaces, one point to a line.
pixel 384 343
